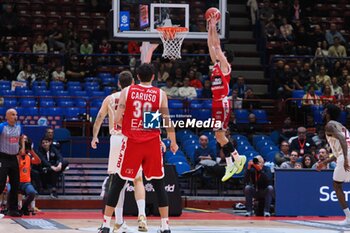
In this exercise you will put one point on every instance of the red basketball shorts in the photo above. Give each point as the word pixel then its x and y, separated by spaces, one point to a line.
pixel 148 155
pixel 221 110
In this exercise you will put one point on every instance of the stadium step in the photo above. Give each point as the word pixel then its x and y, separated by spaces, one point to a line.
pixel 241 47
pixel 247 60
pixel 241 34
pixel 236 8
pixel 239 21
pixel 249 74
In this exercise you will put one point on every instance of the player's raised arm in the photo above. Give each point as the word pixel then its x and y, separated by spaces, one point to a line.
pixel 147 50
pixel 166 117
pixel 333 131
pixel 102 113
pixel 121 106
pixel 215 50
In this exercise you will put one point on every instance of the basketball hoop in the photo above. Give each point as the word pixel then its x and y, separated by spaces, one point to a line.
pixel 172 38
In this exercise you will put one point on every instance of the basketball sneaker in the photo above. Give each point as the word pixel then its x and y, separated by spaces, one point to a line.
pixel 241 163
pixel 142 221
pixel 165 231
pixel 230 171
pixel 103 230
pixel 121 228
pixel 345 222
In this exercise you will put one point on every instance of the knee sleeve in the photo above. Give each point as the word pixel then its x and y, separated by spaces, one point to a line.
pixel 162 196
pixel 228 148
pixel 117 185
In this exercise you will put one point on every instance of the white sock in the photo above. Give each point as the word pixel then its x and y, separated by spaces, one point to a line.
pixel 106 221
pixel 235 155
pixel 164 224
pixel 229 161
pixel 33 204
pixel 347 213
pixel 141 205
pixel 119 215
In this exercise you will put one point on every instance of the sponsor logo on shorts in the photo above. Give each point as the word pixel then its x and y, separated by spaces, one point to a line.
pixel 121 154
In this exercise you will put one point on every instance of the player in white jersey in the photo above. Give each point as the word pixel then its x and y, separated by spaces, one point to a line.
pixel 109 107
pixel 338 138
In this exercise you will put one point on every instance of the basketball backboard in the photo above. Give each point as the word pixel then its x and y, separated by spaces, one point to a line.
pixel 138 19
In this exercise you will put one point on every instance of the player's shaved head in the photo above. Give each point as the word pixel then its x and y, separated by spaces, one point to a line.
pixel 125 79
pixel 11 116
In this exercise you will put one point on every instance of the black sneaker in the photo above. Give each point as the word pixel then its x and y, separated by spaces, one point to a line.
pixel 103 230
pixel 54 195
pixel 14 213
pixel 25 211
pixel 165 231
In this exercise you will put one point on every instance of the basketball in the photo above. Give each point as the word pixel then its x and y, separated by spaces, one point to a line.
pixel 212 12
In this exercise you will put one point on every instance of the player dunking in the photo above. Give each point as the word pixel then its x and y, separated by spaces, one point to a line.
pixel 338 138
pixel 220 79
pixel 109 106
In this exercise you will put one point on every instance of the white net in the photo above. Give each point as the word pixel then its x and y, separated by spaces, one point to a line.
pixel 172 38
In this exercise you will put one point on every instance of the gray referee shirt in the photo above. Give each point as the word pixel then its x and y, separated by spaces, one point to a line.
pixel 9 138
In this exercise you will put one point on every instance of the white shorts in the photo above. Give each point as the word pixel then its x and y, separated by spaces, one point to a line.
pixel 115 142
pixel 339 173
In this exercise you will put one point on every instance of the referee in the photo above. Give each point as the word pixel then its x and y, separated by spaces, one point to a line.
pixel 10 133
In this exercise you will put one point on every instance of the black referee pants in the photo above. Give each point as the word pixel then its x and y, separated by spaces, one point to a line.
pixel 9 167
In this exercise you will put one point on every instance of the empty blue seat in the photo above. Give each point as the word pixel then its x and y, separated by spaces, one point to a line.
pixel 42 92
pixel 298 94
pixel 262 143
pixel 51 111
pixel 174 103
pixel 55 84
pixel 96 102
pixel 108 81
pixel 5 93
pixel 72 89
pixel 92 88
pixel 27 102
pixel 257 138
pixel 267 149
pixel 21 111
pixel 37 83
pixel 251 154
pixel 33 111
pixel 176 158
pixel 80 102
pixel 104 75
pixel 275 136
pixel 169 154
pixel 195 104
pixel 65 103
pixel 189 150
pixel 243 143
pixel 190 142
pixel 3 111
pixel 186 137
pixel 261 116
pixel 5 85
pixel 47 102
pixel 239 137
pixel 73 83
pixel 199 92
pixel 166 142
pixel 94 111
pixel 207 104
pixel 60 93
pixel 182 167
pixel 91 79
pixel 243 148
pixel 24 92
pixel 73 112
pixel 270 157
pixel 175 113
pixel 38 88
pixel 241 116
pixel 10 102
pixel 317 111
pixel 108 90
pixel 81 94
pixel 98 94
pixel 56 88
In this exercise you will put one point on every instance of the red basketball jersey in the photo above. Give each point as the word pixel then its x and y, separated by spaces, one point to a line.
pixel 140 99
pixel 219 82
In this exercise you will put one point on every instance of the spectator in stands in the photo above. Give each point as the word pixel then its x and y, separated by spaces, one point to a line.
pixel 240 86
pixel 55 38
pixel 89 67
pixel 58 74
pixel 170 90
pixel 308 161
pixel 40 70
pixel 322 79
pixel 232 125
pixel 186 91
pixel 292 160
pixel 104 48
pixel 178 77
pixel 322 50
pixel 271 31
pixel 204 155
pixel 278 78
pixel 206 92
pixel 39 46
pixel 9 21
pixel 194 80
pixel 302 144
pixel 5 74
pixel 318 38
pixel 258 184
pixel 323 155
pixel 291 85
pixel 26 75
pixel 26 158
pixel 74 71
pixel 287 130
pixel 163 73
pixel 332 33
pixel 266 12
pixel 302 42
pixel 337 50
pixel 249 101
pixel 305 74
pixel 280 12
pixel 283 155
pixel 312 82
pixel 237 101
pixel 327 96
pixel 311 98
pixel 71 39
pixel 337 70
pixel 49 133
pixel 286 30
pixel 336 89
pixel 86 48
pixel 251 128
pixel 298 68
pixel 53 165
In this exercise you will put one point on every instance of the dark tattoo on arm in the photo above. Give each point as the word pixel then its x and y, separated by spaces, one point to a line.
pixel 122 106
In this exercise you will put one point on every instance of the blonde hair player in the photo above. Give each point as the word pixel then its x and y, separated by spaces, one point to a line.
pixel 109 106
pixel 220 79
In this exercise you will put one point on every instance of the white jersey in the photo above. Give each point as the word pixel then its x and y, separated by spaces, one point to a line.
pixel 335 144
pixel 112 107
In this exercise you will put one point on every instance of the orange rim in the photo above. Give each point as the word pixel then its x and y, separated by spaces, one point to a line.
pixel 170 32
